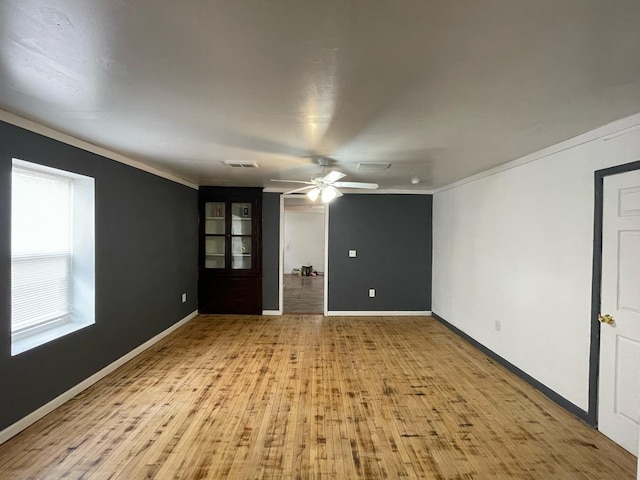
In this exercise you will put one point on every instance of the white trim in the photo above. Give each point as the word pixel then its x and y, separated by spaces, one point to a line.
pixel 275 190
pixel 325 300
pixel 281 258
pixel 35 127
pixel 624 131
pixel 25 341
pixel 384 313
pixel 271 312
pixel 33 417
pixel 390 191
pixel 605 133
pixel 50 170
pixel 354 191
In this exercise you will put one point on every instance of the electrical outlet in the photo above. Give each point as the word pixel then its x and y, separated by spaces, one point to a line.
pixel 372 292
pixel 498 325
pixel 352 253
pixel 184 298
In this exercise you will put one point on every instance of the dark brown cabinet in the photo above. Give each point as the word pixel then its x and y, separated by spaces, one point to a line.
pixel 230 264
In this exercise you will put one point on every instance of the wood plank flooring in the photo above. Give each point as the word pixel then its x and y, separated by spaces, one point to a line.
pixel 303 294
pixel 305 396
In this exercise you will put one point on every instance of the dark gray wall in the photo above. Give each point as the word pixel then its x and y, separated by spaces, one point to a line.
pixel 270 251
pixel 392 237
pixel 146 257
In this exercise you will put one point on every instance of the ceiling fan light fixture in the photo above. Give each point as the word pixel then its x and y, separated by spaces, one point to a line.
pixel 313 194
pixel 328 194
pixel 326 187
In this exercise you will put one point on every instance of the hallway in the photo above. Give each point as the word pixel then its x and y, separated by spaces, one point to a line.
pixel 303 294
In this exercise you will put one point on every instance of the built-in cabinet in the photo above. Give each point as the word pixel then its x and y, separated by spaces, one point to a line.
pixel 230 273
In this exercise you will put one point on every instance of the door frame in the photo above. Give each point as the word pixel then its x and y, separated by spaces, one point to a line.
pixel 596 283
pixel 281 256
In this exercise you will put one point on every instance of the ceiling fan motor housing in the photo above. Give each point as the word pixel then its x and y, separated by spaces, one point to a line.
pixel 323 161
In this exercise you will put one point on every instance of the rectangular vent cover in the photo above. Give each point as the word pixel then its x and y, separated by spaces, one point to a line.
pixel 240 164
pixel 373 166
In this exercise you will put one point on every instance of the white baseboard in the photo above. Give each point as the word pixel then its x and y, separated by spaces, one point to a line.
pixel 385 313
pixel 33 417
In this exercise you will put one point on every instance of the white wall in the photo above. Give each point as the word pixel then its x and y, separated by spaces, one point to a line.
pixel 516 246
pixel 303 240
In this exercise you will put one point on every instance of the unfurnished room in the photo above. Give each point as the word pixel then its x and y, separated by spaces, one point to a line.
pixel 331 239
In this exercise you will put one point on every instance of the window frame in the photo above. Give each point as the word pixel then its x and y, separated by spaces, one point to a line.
pixel 80 269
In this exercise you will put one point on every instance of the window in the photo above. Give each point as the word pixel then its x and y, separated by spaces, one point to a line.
pixel 52 254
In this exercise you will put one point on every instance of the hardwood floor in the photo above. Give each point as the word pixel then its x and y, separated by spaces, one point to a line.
pixel 305 396
pixel 303 294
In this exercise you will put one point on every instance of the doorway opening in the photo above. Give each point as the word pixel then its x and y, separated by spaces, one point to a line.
pixel 303 255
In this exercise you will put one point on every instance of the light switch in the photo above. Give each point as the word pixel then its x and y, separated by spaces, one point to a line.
pixel 352 253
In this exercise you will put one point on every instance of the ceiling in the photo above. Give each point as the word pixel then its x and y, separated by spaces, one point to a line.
pixel 440 89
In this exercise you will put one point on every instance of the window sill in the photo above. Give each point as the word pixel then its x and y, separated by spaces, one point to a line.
pixel 27 342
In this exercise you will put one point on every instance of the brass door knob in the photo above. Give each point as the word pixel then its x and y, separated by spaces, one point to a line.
pixel 608 319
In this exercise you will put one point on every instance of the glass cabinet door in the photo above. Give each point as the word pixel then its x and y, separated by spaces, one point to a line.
pixel 241 230
pixel 228 235
pixel 214 218
pixel 241 252
pixel 214 229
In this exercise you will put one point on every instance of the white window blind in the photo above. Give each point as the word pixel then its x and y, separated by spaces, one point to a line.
pixel 41 249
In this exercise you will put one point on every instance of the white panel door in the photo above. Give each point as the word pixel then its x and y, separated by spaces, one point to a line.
pixel 619 391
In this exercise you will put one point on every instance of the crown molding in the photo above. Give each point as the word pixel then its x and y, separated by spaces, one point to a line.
pixel 346 191
pixel 605 133
pixel 49 132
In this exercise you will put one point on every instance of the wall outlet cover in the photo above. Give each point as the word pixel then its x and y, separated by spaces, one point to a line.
pixel 372 292
pixel 352 253
pixel 184 298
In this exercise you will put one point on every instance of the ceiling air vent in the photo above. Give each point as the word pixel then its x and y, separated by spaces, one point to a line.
pixel 240 164
pixel 373 166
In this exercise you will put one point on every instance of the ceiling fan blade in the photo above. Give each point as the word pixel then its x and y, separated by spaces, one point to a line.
pixel 333 176
pixel 291 181
pixel 370 186
pixel 298 190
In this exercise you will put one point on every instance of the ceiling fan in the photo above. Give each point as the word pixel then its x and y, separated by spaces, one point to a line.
pixel 326 187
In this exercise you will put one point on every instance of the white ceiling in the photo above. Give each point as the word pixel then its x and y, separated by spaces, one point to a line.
pixel 441 89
